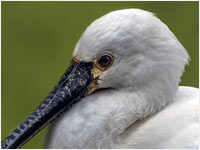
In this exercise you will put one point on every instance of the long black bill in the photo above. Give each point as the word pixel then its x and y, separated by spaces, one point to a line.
pixel 69 90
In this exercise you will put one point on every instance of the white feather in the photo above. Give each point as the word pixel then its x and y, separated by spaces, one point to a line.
pixel 143 109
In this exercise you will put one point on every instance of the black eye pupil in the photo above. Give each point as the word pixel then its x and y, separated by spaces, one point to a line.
pixel 104 60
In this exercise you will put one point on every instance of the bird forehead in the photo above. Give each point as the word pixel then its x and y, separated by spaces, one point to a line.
pixel 111 31
pixel 120 19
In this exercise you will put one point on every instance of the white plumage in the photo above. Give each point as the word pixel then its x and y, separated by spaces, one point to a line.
pixel 140 104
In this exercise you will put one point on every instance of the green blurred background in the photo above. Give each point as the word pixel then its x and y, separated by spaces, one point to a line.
pixel 38 39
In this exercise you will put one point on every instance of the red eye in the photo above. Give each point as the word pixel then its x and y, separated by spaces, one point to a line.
pixel 105 60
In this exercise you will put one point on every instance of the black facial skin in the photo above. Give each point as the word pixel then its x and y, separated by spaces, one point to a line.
pixel 68 91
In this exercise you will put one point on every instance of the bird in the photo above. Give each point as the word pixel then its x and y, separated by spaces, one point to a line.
pixel 121 90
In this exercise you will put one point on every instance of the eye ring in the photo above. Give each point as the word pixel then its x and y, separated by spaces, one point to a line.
pixel 104 60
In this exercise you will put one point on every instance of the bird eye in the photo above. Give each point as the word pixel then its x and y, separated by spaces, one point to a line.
pixel 104 60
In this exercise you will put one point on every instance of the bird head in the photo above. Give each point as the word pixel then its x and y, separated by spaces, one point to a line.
pixel 140 50
pixel 128 49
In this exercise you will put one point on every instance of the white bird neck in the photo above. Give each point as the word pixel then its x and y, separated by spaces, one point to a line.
pixel 98 119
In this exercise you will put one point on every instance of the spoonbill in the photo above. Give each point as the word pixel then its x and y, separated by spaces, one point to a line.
pixel 120 91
